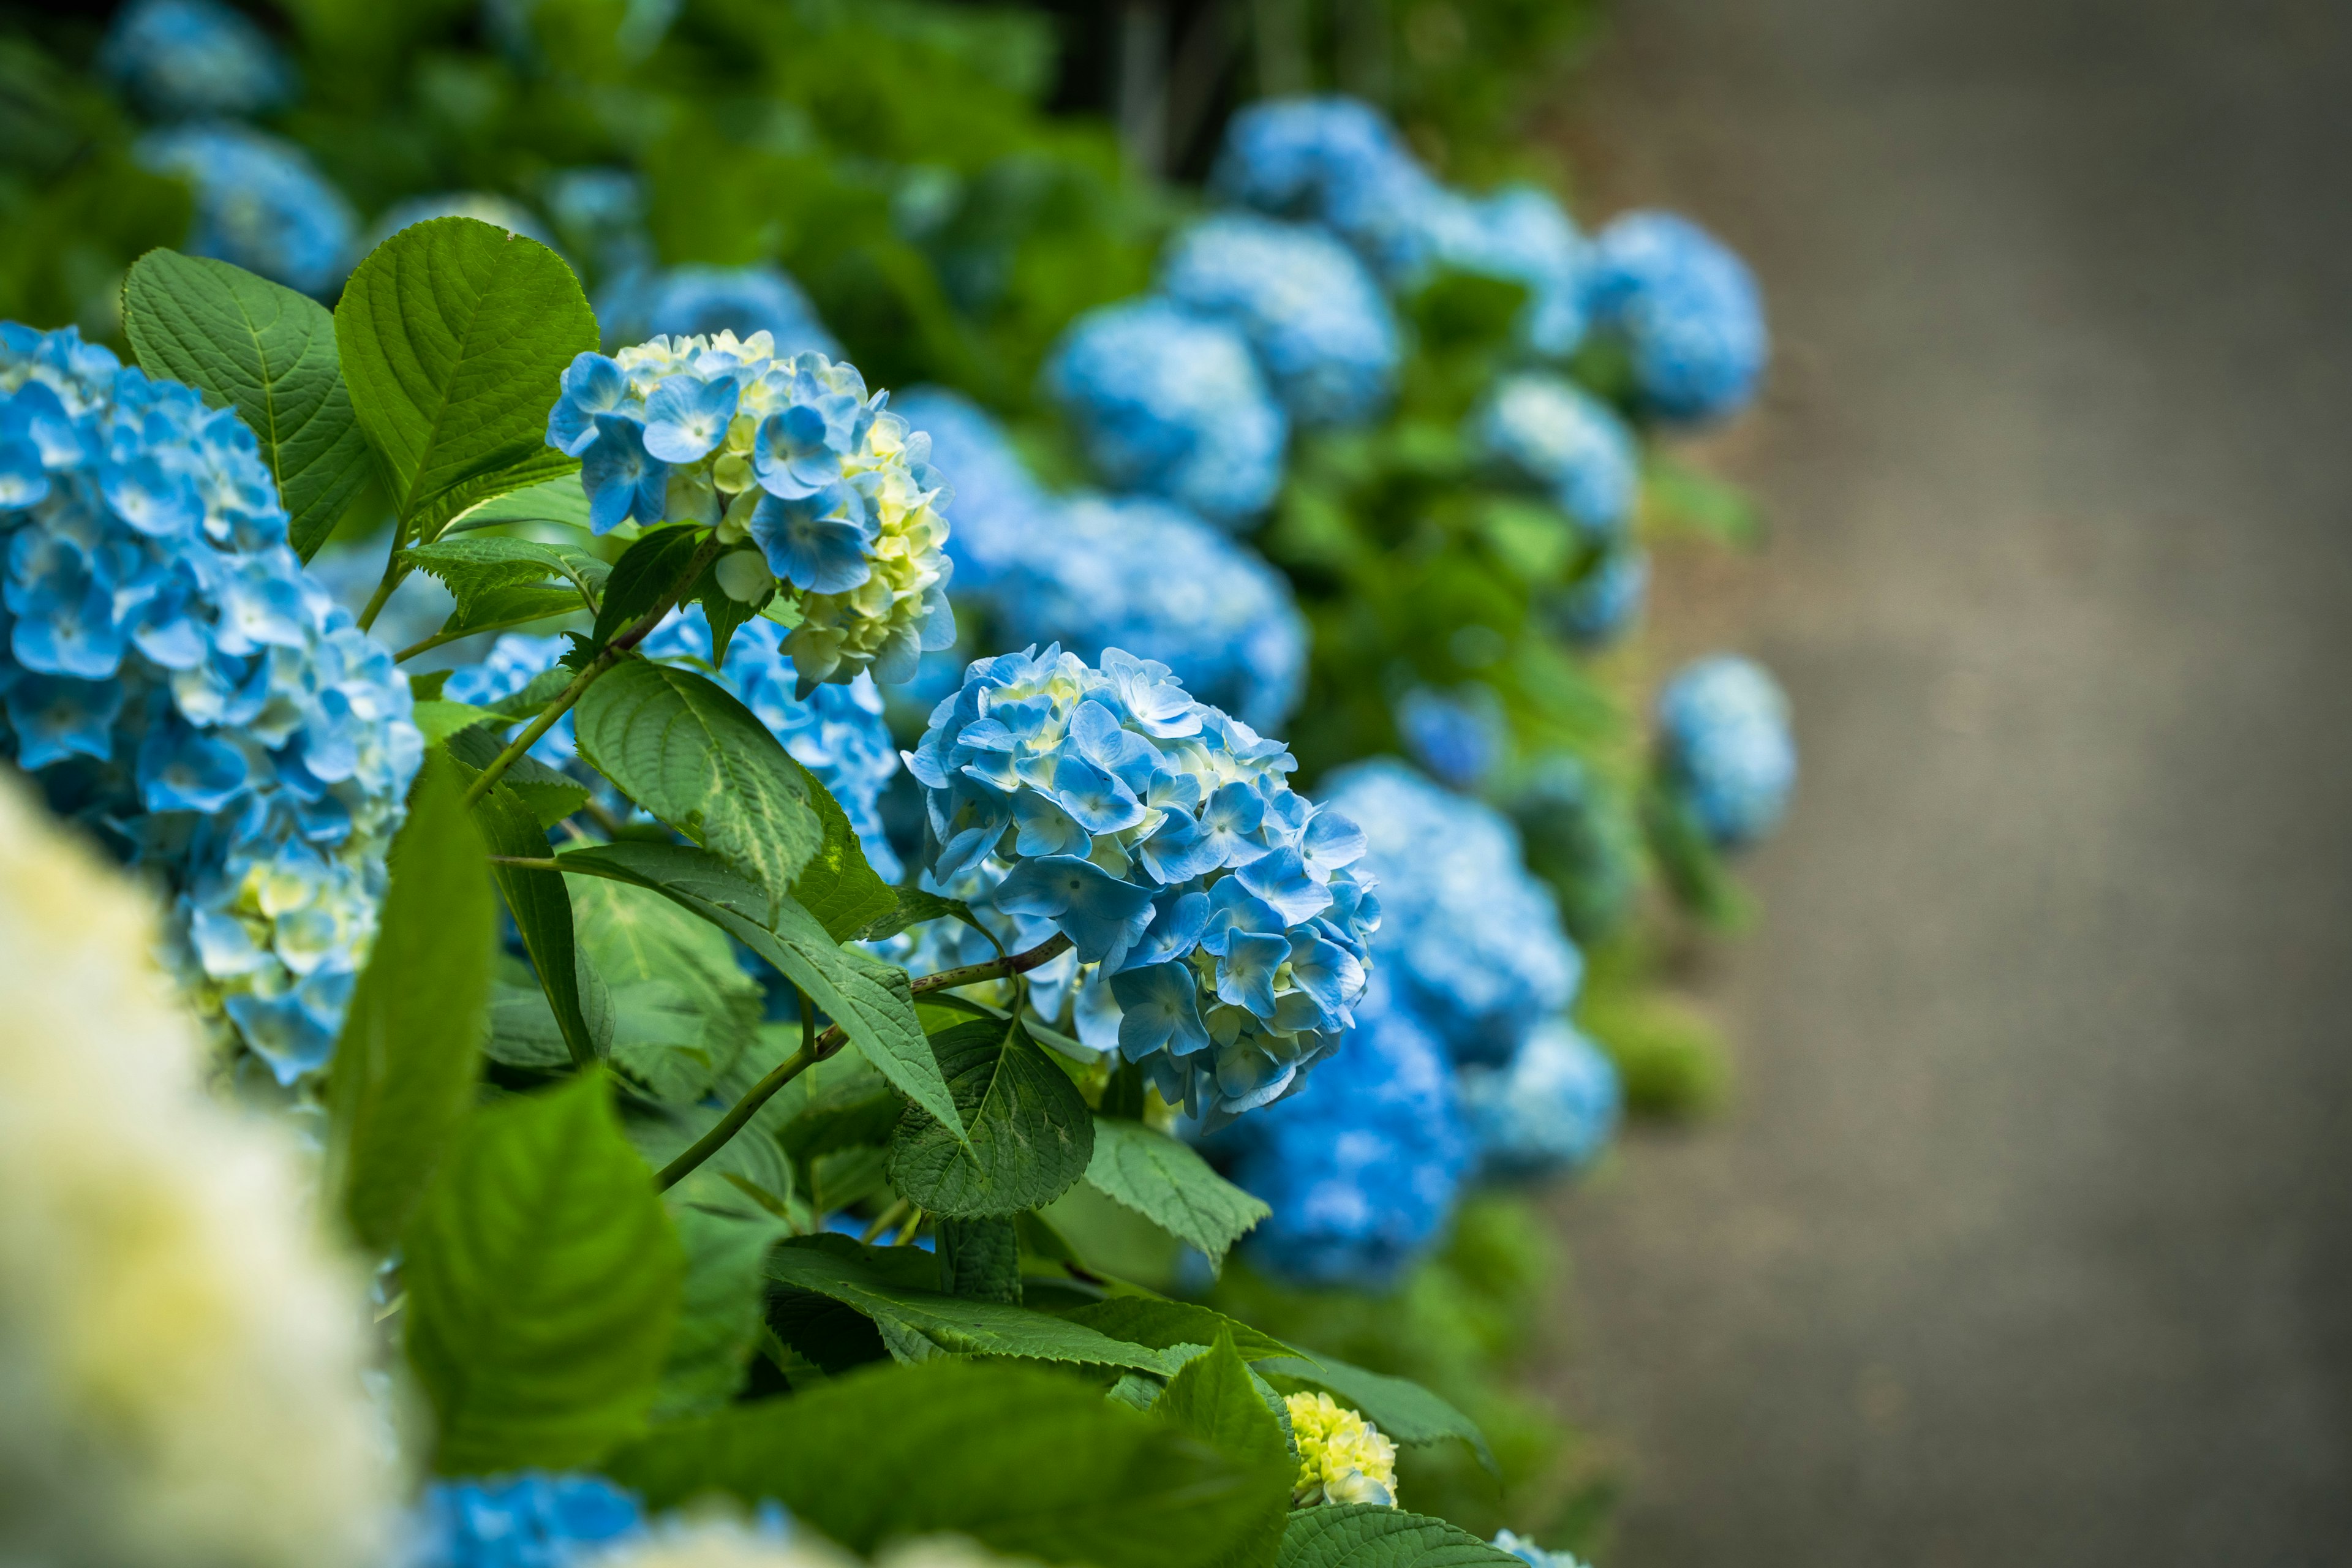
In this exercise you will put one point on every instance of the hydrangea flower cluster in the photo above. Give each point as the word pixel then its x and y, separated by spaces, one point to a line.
pixel 1322 329
pixel 529 1520
pixel 1545 431
pixel 191 59
pixel 260 202
pixel 699 301
pixel 175 679
pixel 1554 1108
pixel 1100 572
pixel 1171 404
pixel 1688 311
pixel 181 1351
pixel 1603 604
pixel 1223 912
pixel 836 732
pixel 1363 1167
pixel 835 492
pixel 1521 235
pixel 1474 943
pixel 1723 729
pixel 1459 736
pixel 485 206
pixel 1342 1458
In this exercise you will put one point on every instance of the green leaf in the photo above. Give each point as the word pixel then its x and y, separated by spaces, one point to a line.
pixel 544 1281
pixel 914 906
pixel 552 796
pixel 475 568
pixel 1214 1398
pixel 838 886
pixel 438 718
pixel 918 1323
pixel 681 746
pixel 543 913
pixel 523 1030
pixel 270 353
pixel 1678 498
pixel 404 1066
pixel 643 577
pixel 1024 1461
pixel 871 1001
pixel 1366 1535
pixel 1403 1410
pixel 1028 1134
pixel 979 1259
pixel 719 1319
pixel 454 335
pixel 1169 1185
pixel 683 1008
pixel 1161 1323
pixel 560 500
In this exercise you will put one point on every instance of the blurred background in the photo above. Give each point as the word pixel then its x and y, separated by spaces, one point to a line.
pixel 1987 1176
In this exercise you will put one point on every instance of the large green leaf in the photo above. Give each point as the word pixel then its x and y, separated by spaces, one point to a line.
pixel 1366 1535
pixel 683 1009
pixel 1214 1398
pixel 1024 1461
pixel 1159 1324
pixel 918 1324
pixel 405 1065
pixel 871 1001
pixel 1169 1185
pixel 680 745
pixel 838 886
pixel 454 335
pixel 645 576
pixel 543 913
pixel 1405 1411
pixel 544 1281
pixel 719 1320
pixel 474 568
pixel 559 500
pixel 1027 1132
pixel 270 353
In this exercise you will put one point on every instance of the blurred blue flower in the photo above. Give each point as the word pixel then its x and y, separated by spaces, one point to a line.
pixel 260 204
pixel 175 681
pixel 1323 331
pixel 1157 833
pixel 1362 1167
pixel 1688 311
pixel 1553 1107
pixel 997 505
pixel 1459 736
pixel 191 60
pixel 532 1518
pixel 601 215
pixel 1473 943
pixel 1520 234
pixel 1545 431
pixel 1728 755
pixel 698 301
pixel 1602 605
pixel 1582 839
pixel 1339 161
pixel 1171 404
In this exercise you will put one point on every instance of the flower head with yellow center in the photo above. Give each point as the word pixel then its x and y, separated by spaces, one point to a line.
pixel 1342 1458
pixel 829 495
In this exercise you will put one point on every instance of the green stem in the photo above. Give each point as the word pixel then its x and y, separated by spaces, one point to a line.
pixel 613 652
pixel 395 573
pixel 886 1219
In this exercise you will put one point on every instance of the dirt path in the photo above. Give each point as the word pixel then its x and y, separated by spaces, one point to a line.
pixel 2028 1239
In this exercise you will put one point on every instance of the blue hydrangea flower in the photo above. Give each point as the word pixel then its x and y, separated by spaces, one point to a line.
pixel 1221 917
pixel 1545 431
pixel 1171 404
pixel 836 732
pixel 191 60
pixel 1097 572
pixel 998 505
pixel 1603 604
pixel 174 680
pixel 601 213
pixel 1688 311
pixel 1474 943
pixel 1553 1107
pixel 1339 161
pixel 1459 736
pixel 1322 329
pixel 1364 1167
pixel 260 202
pixel 489 207
pixel 1520 234
pixel 698 301
pixel 528 1520
pixel 1525 1549
pixel 1728 755
pixel 792 460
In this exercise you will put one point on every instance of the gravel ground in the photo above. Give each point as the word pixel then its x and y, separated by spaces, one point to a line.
pixel 2027 1237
